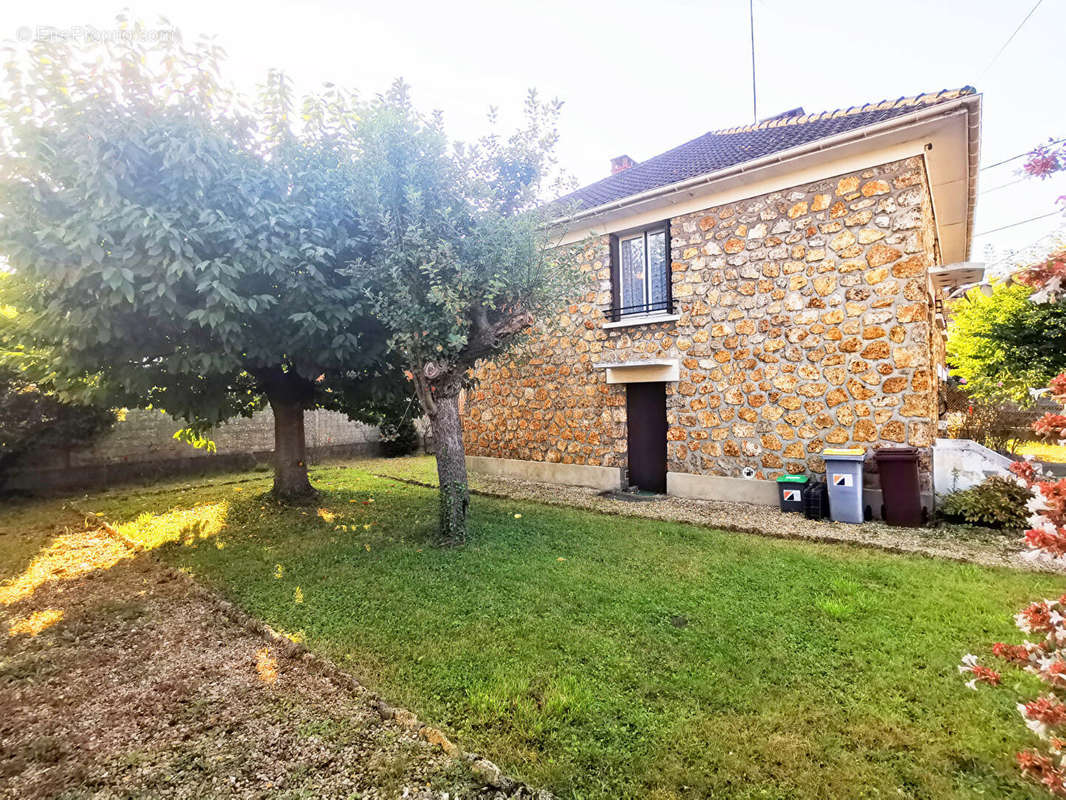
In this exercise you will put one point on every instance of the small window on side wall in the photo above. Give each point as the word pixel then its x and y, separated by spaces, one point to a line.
pixel 640 272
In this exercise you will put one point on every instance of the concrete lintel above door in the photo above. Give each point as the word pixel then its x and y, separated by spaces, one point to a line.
pixel 649 371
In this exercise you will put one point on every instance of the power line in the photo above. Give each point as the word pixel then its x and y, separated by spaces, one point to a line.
pixel 1003 186
pixel 1016 224
pixel 1021 155
pixel 1011 37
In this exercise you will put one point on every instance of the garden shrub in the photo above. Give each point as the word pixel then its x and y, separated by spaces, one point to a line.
pixel 32 419
pixel 398 437
pixel 996 502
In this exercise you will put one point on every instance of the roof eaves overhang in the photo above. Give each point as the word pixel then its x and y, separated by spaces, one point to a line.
pixel 973 161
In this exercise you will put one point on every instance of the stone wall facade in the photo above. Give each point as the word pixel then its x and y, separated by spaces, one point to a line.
pixel 806 322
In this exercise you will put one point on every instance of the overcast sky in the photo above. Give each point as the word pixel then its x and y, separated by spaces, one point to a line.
pixel 639 78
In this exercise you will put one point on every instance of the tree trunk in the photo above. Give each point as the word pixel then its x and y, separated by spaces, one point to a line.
pixel 287 400
pixel 451 468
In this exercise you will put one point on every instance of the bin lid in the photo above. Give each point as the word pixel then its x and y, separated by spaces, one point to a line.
pixel 896 453
pixel 838 454
pixel 792 479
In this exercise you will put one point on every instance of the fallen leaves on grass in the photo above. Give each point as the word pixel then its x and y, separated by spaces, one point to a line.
pixel 68 556
pixel 186 715
pixel 266 665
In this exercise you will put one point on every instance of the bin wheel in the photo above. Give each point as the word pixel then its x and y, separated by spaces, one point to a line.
pixel 882 511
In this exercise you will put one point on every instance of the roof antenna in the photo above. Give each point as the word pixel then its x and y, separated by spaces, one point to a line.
pixel 751 22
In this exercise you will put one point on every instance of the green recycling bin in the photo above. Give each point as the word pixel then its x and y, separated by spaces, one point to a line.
pixel 790 492
pixel 843 473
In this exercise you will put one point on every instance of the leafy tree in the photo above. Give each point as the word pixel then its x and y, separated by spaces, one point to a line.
pixel 1004 345
pixel 461 260
pixel 32 419
pixel 177 247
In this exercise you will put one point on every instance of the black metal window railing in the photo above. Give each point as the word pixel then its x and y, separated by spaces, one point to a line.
pixel 616 313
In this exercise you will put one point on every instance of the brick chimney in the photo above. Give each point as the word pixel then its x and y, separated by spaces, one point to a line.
pixel 621 164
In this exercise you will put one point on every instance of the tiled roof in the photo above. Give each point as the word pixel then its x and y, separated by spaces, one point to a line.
pixel 720 149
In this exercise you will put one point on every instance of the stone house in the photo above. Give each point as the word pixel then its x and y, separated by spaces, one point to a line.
pixel 753 296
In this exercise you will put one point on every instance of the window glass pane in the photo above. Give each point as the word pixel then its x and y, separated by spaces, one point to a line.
pixel 632 272
pixel 658 271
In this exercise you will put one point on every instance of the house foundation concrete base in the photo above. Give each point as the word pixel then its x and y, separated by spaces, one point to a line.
pixel 719 487
pixel 678 484
pixel 758 492
pixel 603 478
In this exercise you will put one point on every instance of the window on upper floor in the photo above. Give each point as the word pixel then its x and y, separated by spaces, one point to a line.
pixel 640 272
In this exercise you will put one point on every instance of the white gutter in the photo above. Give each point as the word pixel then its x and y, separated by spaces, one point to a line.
pixel 950 108
pixel 973 135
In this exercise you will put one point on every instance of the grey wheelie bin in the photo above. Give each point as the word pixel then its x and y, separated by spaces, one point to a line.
pixel 843 473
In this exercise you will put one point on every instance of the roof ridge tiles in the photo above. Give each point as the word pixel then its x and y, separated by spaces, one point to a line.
pixel 725 147
pixel 903 101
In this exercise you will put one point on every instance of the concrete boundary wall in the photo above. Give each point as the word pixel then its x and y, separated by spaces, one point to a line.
pixel 604 478
pixel 141 447
pixel 101 475
pixel 961 463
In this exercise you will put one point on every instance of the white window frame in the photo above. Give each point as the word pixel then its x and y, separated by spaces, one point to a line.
pixel 645 301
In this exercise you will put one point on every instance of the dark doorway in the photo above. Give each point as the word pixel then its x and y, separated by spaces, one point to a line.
pixel 646 423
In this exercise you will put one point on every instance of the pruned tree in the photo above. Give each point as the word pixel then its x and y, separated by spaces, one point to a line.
pixel 178 247
pixel 462 262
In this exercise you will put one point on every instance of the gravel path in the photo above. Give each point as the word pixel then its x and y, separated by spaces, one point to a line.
pixel 958 543
pixel 120 677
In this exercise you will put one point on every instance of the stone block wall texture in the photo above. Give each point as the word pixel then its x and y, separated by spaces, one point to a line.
pixel 143 445
pixel 806 323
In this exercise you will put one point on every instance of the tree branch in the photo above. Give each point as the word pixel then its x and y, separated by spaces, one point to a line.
pixel 487 336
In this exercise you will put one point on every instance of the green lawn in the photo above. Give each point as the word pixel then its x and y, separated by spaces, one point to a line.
pixel 1043 451
pixel 607 657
